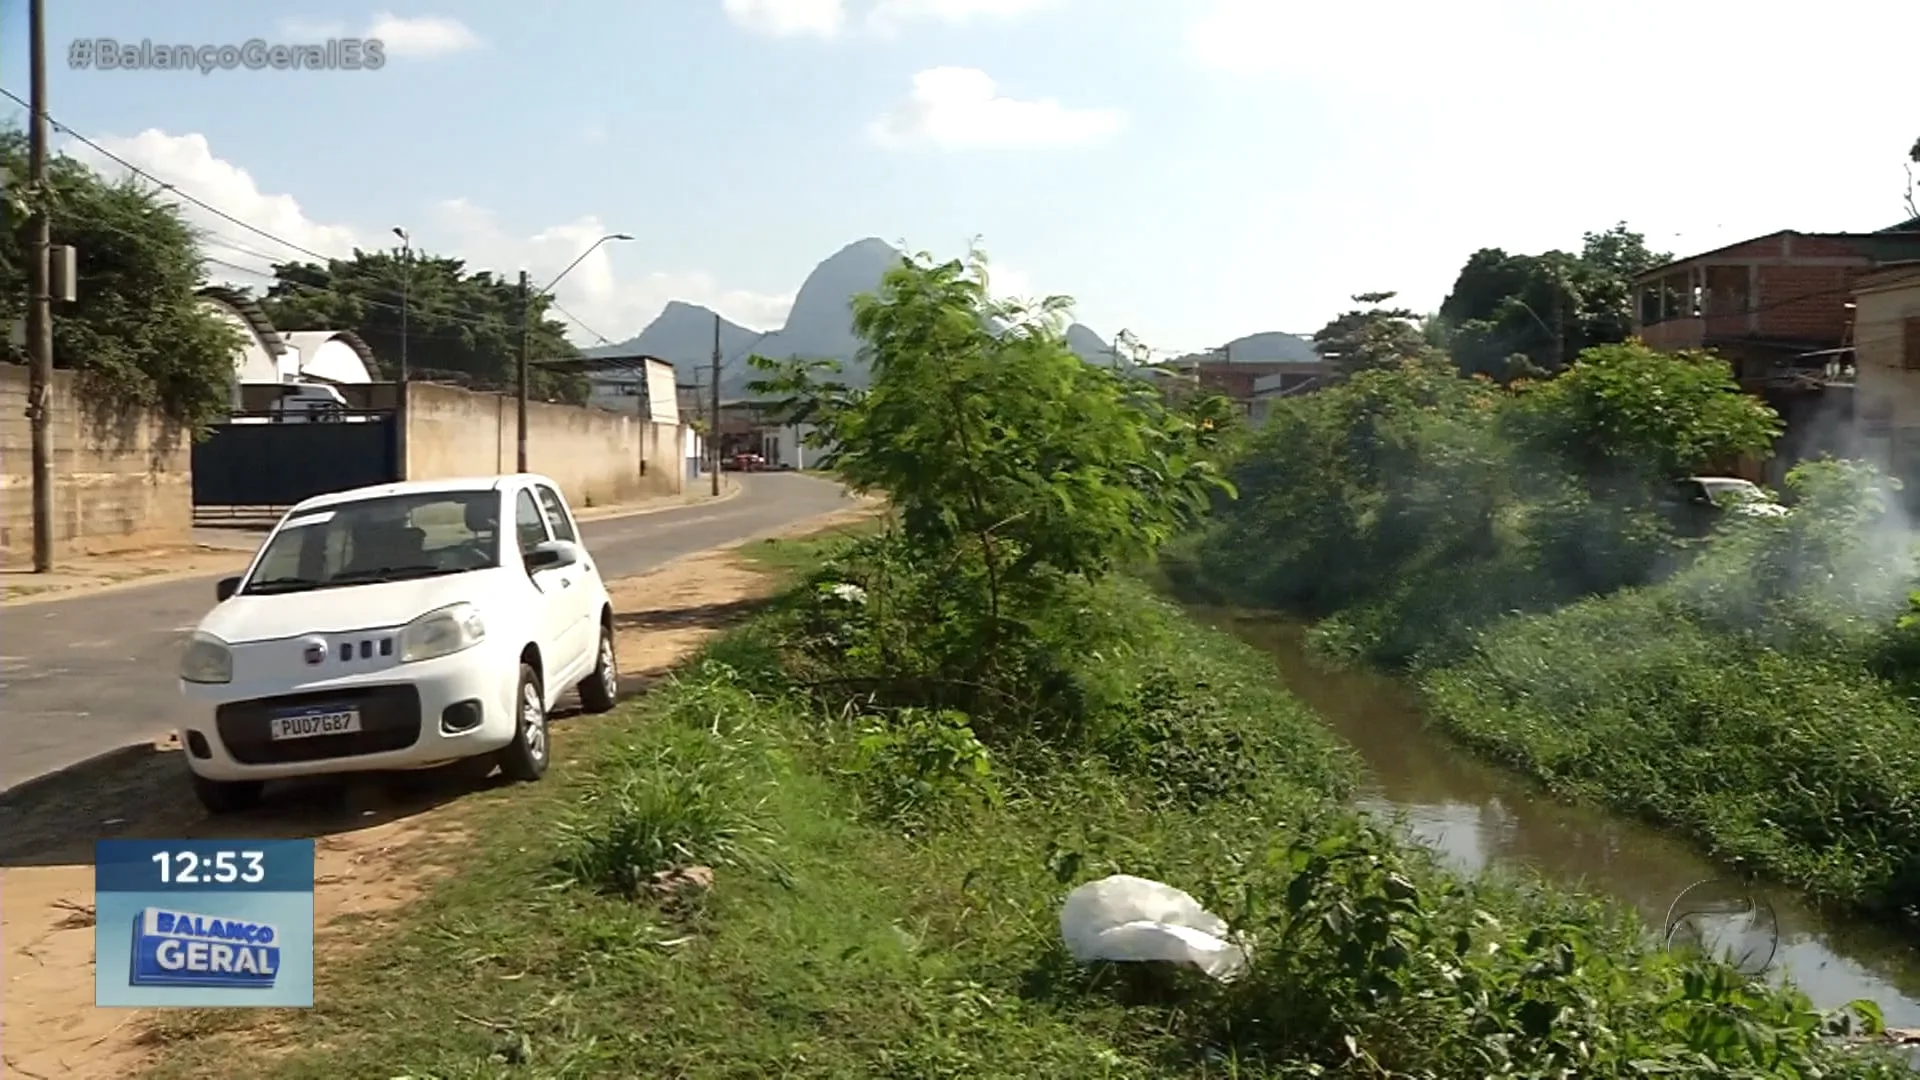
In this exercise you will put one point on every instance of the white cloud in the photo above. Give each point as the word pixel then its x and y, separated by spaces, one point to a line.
pixel 828 18
pixel 955 108
pixel 613 301
pixel 788 18
pixel 890 15
pixel 422 36
pixel 428 35
pixel 188 163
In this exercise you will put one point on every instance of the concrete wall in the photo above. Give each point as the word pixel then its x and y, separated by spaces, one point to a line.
pixel 1887 359
pixel 594 455
pixel 117 485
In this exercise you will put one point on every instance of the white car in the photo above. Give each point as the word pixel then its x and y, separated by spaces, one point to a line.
pixel 402 626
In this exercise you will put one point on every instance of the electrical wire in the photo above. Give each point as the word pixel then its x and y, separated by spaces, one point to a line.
pixel 164 185
pixel 229 242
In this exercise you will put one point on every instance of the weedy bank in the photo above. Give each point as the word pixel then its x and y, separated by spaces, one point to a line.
pixel 1751 686
pixel 820 851
pixel 837 844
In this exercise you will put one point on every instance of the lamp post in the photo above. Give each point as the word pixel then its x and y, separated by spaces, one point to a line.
pixel 406 286
pixel 591 248
pixel 526 327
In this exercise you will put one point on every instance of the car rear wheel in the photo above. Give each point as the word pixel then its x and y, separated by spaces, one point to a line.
pixel 602 688
pixel 227 796
pixel 525 758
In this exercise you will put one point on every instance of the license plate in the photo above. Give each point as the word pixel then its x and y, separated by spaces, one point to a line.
pixel 311 723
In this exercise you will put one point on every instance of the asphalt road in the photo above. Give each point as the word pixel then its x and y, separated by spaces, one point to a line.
pixel 85 676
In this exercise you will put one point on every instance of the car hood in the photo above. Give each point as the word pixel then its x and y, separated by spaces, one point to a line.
pixel 243 618
pixel 1759 508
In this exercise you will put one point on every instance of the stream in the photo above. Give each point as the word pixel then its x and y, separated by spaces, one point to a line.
pixel 1476 815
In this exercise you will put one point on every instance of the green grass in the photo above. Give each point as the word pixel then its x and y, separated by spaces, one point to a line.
pixel 801 554
pixel 851 933
pixel 1805 768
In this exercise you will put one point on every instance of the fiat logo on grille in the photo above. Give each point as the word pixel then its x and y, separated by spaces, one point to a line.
pixel 315 654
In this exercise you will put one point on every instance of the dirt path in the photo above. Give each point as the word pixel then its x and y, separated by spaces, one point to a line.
pixel 378 843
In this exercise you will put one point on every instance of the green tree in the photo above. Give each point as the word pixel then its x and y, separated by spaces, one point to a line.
pixel 461 325
pixel 1625 414
pixel 998 445
pixel 137 335
pixel 1372 336
pixel 1520 315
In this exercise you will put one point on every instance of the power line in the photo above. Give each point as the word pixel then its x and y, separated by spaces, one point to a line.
pixel 164 185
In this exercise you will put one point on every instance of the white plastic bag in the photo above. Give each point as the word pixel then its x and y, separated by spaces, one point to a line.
pixel 1129 919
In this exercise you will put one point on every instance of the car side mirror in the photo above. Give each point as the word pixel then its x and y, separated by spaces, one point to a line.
pixel 552 555
pixel 226 588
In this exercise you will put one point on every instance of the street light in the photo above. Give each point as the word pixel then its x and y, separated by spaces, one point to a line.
pixel 583 258
pixel 406 285
pixel 526 344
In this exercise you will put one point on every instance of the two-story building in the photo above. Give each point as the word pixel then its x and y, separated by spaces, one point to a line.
pixel 1779 308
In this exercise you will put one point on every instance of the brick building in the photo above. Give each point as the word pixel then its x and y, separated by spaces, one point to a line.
pixel 1780 309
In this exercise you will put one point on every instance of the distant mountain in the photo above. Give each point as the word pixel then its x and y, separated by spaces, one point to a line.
pixel 1089 346
pixel 1271 347
pixel 683 333
pixel 820 326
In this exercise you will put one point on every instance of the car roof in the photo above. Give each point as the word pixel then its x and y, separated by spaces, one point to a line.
pixel 445 485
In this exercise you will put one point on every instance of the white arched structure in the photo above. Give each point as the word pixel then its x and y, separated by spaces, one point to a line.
pixel 335 356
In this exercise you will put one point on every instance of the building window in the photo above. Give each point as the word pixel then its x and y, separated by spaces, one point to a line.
pixel 1727 290
pixel 1910 343
pixel 1649 305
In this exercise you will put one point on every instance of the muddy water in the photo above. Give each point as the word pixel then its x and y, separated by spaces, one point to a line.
pixel 1476 816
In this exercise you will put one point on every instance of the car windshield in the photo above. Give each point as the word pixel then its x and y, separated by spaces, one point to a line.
pixel 393 538
pixel 1720 489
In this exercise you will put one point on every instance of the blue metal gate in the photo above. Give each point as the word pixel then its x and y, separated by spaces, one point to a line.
pixel 263 460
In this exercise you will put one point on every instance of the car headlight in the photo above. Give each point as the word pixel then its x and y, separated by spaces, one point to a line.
pixel 442 632
pixel 207 660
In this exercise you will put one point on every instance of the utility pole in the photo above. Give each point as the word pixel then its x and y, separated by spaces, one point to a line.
pixel 526 343
pixel 713 423
pixel 406 291
pixel 40 303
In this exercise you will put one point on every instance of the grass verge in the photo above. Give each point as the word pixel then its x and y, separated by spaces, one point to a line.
pixel 755 872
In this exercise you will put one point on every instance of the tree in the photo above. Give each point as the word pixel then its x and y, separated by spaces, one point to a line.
pixel 1372 336
pixel 137 335
pixel 461 325
pixel 1626 415
pixel 999 447
pixel 1517 315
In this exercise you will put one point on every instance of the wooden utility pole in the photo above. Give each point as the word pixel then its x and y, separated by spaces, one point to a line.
pixel 713 422
pixel 40 302
pixel 526 343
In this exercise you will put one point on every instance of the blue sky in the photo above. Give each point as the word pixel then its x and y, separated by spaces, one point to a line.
pixel 1191 170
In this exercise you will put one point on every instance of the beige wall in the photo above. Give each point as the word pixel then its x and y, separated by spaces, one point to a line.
pixel 1888 380
pixel 117 486
pixel 594 455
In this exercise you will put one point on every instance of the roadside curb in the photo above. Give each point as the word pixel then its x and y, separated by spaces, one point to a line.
pixel 239 562
pixel 729 490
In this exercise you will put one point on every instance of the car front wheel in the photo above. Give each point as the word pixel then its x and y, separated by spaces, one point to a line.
pixel 227 796
pixel 525 758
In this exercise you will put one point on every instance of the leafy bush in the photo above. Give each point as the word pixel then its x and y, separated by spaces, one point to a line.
pixel 1416 506
pixel 917 764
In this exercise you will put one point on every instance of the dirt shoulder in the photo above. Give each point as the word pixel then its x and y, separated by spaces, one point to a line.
pixel 379 842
